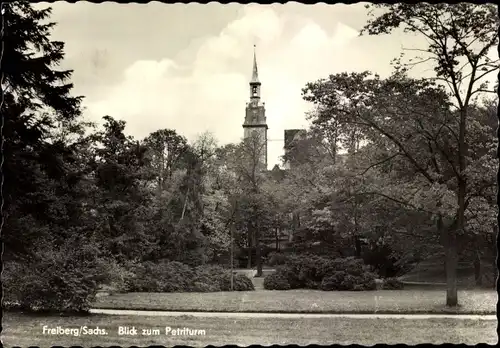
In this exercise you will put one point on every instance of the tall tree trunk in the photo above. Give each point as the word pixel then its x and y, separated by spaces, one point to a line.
pixel 451 250
pixel 231 253
pixel 451 262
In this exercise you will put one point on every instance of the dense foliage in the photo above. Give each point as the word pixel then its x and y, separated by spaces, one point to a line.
pixel 277 281
pixel 316 272
pixel 173 276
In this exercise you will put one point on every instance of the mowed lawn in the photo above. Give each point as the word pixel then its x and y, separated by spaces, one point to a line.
pixel 307 301
pixel 432 271
pixel 23 330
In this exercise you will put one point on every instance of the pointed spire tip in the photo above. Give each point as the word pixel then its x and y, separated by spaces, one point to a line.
pixel 255 74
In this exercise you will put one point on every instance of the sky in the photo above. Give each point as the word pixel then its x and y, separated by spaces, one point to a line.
pixel 187 66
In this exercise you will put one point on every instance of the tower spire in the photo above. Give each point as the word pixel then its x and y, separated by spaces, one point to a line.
pixel 255 72
pixel 255 116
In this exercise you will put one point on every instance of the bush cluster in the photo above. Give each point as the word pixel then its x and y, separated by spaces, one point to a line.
pixel 172 276
pixel 276 281
pixel 53 280
pixel 315 272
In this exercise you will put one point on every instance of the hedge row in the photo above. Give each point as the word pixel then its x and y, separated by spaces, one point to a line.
pixel 177 277
pixel 56 283
pixel 315 272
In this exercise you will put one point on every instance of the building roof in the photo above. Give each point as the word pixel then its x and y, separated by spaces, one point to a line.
pixel 255 71
pixel 293 134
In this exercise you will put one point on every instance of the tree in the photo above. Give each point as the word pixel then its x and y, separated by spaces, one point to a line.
pixel 35 98
pixel 410 140
pixel 165 152
pixel 217 191
pixel 244 161
pixel 45 183
pixel 119 200
pixel 460 37
pixel 28 60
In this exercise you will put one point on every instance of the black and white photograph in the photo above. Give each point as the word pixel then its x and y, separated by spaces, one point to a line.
pixel 249 174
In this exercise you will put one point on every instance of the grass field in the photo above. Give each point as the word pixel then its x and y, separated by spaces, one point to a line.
pixel 310 301
pixel 23 330
pixel 432 271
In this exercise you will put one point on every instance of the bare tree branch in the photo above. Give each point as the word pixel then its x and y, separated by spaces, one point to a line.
pixel 395 200
pixel 378 163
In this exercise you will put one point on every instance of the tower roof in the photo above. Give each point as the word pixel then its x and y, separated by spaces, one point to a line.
pixel 293 134
pixel 255 72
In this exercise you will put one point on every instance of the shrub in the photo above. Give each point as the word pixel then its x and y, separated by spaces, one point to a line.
pixel 243 283
pixel 392 284
pixel 140 280
pixel 114 275
pixel 173 276
pixel 344 281
pixel 12 281
pixel 303 271
pixel 310 270
pixel 55 279
pixel 333 281
pixel 276 281
pixel 315 272
pixel 312 284
pixel 240 282
pixel 354 266
pixel 276 259
pixel 348 282
pixel 165 276
pixel 210 275
pixel 305 267
pixel 366 282
pixel 289 273
pixel 207 286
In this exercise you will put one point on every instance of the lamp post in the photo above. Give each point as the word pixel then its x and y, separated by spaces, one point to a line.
pixel 234 205
pixel 232 256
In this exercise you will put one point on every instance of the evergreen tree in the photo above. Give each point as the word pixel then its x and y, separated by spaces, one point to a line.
pixel 45 224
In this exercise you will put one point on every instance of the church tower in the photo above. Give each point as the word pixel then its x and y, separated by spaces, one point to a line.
pixel 255 125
